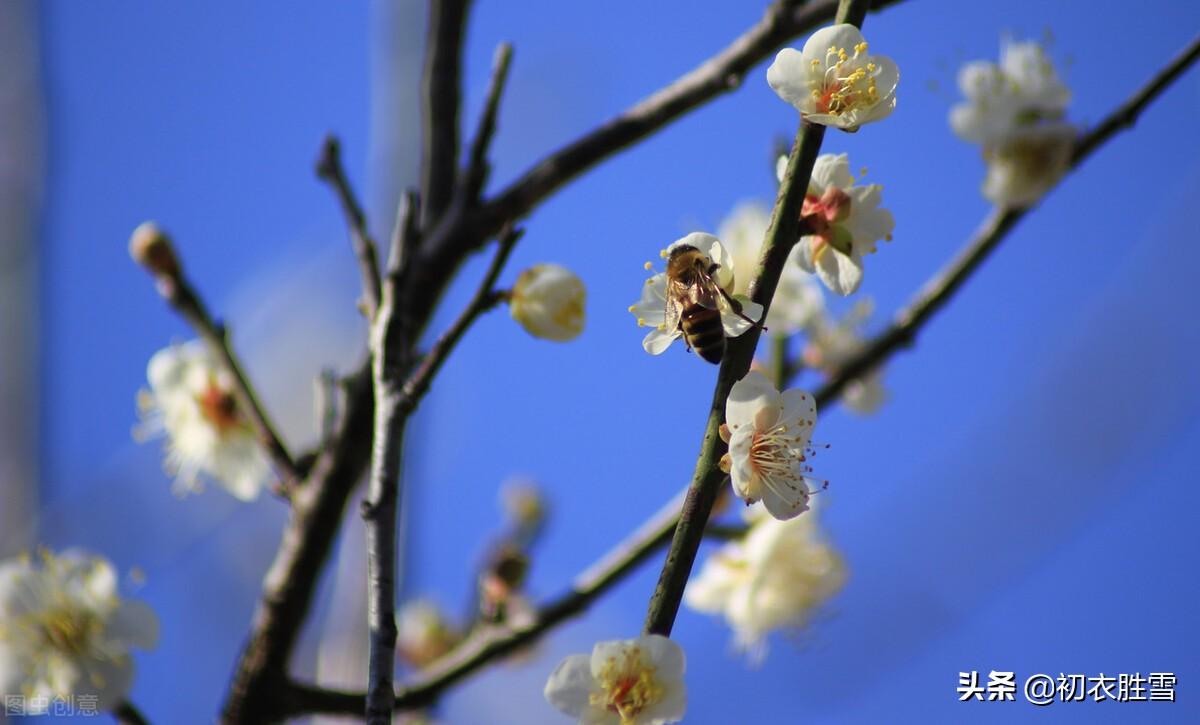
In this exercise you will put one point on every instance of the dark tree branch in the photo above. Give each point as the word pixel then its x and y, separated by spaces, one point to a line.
pixel 389 352
pixel 440 98
pixel 395 400
pixel 330 170
pixel 257 693
pixel 126 713
pixel 938 290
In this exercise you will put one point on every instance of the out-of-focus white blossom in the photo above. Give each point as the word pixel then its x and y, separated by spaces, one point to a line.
pixel 768 434
pixel 423 633
pixel 774 578
pixel 833 81
pixel 623 682
pixel 798 299
pixel 1030 161
pixel 548 300
pixel 1015 110
pixel 843 223
pixel 64 632
pixel 191 400
pixel 1022 90
pixel 831 344
pixel 650 310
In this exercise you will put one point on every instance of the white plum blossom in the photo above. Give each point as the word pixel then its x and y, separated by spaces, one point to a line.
pixel 1015 111
pixel 1022 90
pixel 842 223
pixel 623 682
pixel 833 81
pixel 65 633
pixel 775 577
pixel 191 400
pixel 548 300
pixel 798 299
pixel 768 434
pixel 650 310
pixel 831 344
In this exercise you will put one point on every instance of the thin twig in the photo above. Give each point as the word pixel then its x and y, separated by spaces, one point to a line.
pixel 440 98
pixel 941 287
pixel 486 297
pixel 330 170
pixel 126 713
pixel 477 164
pixel 179 293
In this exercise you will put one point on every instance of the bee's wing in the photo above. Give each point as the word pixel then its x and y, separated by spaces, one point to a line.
pixel 674 309
pixel 705 291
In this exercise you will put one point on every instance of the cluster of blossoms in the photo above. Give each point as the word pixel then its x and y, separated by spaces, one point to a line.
pixel 623 682
pixel 191 400
pixel 1015 110
pixel 776 577
pixel 64 632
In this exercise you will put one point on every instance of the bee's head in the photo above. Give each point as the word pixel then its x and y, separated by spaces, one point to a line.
pixel 684 261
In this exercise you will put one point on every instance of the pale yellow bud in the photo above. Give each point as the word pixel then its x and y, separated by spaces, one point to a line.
pixel 548 301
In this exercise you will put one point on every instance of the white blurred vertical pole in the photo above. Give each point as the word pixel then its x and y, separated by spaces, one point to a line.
pixel 397 33
pixel 20 193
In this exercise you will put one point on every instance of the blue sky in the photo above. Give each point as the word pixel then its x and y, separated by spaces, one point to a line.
pixel 1023 502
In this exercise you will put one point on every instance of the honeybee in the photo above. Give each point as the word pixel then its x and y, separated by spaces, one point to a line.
pixel 692 302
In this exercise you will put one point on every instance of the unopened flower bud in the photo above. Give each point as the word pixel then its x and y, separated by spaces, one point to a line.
pixel 548 301
pixel 151 247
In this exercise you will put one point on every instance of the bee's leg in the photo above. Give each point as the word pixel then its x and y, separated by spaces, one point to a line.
pixel 737 309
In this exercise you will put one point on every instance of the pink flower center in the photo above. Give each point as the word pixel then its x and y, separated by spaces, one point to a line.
pixel 820 213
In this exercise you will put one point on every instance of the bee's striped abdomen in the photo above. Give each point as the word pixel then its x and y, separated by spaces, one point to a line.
pixel 703 331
